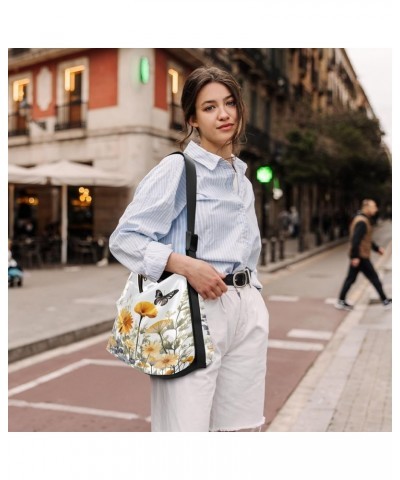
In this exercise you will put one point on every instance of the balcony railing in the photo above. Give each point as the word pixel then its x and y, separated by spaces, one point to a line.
pixel 71 115
pixel 176 117
pixel 17 125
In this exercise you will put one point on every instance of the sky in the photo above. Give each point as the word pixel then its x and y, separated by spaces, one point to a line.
pixel 373 67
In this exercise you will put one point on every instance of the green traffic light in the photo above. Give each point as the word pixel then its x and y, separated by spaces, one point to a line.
pixel 264 174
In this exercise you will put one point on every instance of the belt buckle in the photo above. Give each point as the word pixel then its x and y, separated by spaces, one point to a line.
pixel 245 281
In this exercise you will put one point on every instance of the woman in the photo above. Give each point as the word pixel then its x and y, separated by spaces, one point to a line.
pixel 228 395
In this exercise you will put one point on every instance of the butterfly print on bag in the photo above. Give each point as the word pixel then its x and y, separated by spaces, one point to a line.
pixel 163 299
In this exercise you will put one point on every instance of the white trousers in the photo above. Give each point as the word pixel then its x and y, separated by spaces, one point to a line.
pixel 229 394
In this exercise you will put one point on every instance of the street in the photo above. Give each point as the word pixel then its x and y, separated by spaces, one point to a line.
pixel 81 387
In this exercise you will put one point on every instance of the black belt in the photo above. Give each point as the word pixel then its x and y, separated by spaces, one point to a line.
pixel 238 279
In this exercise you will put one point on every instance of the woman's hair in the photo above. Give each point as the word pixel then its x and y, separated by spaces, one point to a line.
pixel 195 82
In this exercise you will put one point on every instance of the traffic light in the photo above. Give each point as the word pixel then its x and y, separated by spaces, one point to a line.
pixel 264 174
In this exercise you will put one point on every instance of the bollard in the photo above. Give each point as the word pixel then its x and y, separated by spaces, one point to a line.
pixel 263 251
pixel 318 237
pixel 273 249
pixel 301 243
pixel 281 247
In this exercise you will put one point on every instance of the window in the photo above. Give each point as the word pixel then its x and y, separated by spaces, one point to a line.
pixel 17 120
pixel 175 86
pixel 20 89
pixel 73 83
pixel 72 94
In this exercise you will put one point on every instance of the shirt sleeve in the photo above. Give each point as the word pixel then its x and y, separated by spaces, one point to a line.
pixel 360 229
pixel 158 200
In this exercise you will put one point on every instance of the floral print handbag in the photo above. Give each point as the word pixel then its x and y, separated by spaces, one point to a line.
pixel 161 327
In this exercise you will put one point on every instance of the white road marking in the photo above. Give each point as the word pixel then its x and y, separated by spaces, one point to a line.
pixel 279 344
pixel 107 363
pixel 64 371
pixel 73 409
pixel 47 378
pixel 292 345
pixel 331 301
pixel 314 334
pixel 65 350
pixel 283 298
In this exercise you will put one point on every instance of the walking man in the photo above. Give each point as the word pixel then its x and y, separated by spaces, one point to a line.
pixel 360 249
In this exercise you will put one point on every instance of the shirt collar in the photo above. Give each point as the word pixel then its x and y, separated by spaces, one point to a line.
pixel 210 160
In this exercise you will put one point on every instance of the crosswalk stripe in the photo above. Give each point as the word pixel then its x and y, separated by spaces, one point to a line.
pixel 312 334
pixel 293 345
pixel 74 409
pixel 283 298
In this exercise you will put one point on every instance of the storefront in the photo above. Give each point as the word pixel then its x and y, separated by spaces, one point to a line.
pixel 53 220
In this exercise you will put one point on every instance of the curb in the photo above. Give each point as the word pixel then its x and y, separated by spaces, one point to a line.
pixel 301 256
pixel 24 351
pixel 302 411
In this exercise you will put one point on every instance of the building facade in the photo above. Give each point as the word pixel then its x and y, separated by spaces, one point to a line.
pixel 119 110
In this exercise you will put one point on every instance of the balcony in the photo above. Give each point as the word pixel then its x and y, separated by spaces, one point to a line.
pixel 71 115
pixel 177 120
pixel 248 59
pixel 298 90
pixel 220 57
pixel 17 125
pixel 329 94
pixel 331 65
pixel 14 52
pixel 257 138
pixel 315 79
pixel 303 61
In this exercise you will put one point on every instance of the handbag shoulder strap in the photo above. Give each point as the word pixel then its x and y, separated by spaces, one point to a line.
pixel 191 189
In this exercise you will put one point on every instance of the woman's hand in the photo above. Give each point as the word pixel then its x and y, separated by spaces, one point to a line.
pixel 202 277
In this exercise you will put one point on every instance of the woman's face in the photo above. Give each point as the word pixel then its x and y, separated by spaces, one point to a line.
pixel 215 118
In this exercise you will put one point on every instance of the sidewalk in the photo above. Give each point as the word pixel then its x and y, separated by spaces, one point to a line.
pixel 349 387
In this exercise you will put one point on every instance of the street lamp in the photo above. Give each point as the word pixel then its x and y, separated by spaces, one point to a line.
pixel 25 110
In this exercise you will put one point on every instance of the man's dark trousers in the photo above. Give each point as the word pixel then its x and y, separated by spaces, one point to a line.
pixel 365 266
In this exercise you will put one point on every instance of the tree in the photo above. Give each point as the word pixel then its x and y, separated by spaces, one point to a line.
pixel 343 151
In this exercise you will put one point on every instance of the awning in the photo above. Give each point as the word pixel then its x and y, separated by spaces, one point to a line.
pixel 72 173
pixel 66 173
pixel 18 174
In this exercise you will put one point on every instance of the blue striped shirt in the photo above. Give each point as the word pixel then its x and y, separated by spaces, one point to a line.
pixel 154 223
